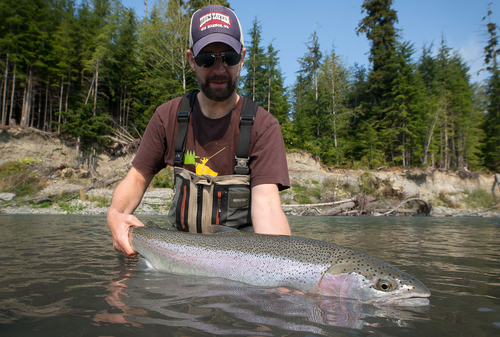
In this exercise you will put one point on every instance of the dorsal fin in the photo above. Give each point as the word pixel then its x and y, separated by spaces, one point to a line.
pixel 152 224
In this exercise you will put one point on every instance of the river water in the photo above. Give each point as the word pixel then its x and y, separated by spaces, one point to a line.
pixel 59 276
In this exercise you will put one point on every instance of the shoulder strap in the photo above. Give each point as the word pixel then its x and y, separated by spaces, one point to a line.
pixel 185 108
pixel 248 113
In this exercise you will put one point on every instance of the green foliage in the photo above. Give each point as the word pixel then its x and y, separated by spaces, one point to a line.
pixel 164 178
pixel 479 199
pixel 70 207
pixel 368 184
pixel 20 177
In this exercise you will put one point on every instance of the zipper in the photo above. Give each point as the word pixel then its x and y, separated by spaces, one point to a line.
pixel 183 208
pixel 217 215
pixel 199 214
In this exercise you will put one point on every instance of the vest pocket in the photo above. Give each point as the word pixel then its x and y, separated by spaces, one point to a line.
pixel 178 213
pixel 231 205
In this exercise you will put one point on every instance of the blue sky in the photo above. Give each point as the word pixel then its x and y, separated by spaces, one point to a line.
pixel 289 25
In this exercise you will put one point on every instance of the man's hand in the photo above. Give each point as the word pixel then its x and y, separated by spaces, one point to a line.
pixel 119 224
pixel 126 197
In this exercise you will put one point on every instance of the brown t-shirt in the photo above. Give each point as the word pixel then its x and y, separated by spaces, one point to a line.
pixel 211 144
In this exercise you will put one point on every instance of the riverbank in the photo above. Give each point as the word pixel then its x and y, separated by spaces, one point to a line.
pixel 69 188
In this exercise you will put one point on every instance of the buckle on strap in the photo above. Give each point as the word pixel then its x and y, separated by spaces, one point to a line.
pixel 247 119
pixel 241 166
pixel 183 116
pixel 178 159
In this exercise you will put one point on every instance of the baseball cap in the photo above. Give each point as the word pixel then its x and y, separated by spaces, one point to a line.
pixel 215 23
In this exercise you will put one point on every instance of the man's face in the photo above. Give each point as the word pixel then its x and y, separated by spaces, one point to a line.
pixel 218 82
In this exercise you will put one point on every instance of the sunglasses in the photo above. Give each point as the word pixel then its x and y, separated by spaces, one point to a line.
pixel 207 60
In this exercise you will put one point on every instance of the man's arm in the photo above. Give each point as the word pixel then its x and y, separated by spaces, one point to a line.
pixel 126 197
pixel 267 215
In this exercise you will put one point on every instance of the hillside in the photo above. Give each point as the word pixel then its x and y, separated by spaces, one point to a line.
pixel 448 191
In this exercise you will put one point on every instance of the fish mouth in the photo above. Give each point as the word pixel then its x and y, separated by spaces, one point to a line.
pixel 419 300
pixel 410 302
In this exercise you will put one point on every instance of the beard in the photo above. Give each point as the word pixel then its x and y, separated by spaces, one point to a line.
pixel 218 94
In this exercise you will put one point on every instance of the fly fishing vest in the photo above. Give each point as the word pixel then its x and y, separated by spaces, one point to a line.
pixel 201 201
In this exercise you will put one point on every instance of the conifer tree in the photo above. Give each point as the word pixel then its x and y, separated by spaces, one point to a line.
pixel 255 77
pixel 308 108
pixel 335 87
pixel 491 126
pixel 277 99
pixel 379 27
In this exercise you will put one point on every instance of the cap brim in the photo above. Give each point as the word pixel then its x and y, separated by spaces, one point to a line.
pixel 216 37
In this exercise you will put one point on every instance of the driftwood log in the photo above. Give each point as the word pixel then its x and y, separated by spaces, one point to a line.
pixel 362 205
pixel 425 209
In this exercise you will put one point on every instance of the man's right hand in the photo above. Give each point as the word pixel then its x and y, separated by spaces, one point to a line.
pixel 119 224
pixel 126 197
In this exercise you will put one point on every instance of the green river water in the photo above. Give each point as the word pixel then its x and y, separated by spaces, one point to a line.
pixel 59 276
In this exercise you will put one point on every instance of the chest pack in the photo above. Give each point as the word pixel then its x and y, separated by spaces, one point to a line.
pixel 201 201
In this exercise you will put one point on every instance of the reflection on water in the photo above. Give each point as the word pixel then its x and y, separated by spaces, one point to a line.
pixel 60 276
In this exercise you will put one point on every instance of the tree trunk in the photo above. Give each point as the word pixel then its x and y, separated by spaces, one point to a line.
pixel 269 96
pixel 96 87
pixel 23 107
pixel 12 93
pixel 32 106
pixel 77 152
pixel 446 154
pixel 45 128
pixel 4 100
pixel 60 105
pixel 253 80
pixel 429 138
pixel 90 90
pixel 39 109
pixel 128 109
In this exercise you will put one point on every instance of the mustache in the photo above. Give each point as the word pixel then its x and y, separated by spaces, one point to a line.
pixel 213 77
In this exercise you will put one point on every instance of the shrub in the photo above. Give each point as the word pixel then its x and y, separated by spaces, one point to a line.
pixel 478 198
pixel 19 177
pixel 164 178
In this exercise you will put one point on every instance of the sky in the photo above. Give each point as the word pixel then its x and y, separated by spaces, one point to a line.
pixel 289 25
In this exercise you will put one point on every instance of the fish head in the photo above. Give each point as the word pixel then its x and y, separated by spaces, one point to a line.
pixel 361 277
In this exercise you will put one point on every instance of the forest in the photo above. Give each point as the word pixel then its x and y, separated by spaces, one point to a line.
pixel 92 69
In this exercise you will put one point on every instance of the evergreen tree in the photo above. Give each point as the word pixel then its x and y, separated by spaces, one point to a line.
pixel 491 126
pixel 379 27
pixel 400 126
pixel 335 86
pixel 307 112
pixel 255 78
pixel 277 98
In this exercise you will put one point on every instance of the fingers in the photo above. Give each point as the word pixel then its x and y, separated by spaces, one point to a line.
pixel 119 225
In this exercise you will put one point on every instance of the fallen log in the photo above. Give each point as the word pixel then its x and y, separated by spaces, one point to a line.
pixel 339 209
pixel 477 212
pixel 426 209
pixel 321 204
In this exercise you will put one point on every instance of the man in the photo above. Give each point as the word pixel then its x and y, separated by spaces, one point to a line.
pixel 216 56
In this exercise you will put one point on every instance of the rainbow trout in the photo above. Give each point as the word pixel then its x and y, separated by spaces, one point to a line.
pixel 310 266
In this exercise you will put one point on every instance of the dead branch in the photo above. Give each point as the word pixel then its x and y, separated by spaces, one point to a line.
pixel 427 207
pixel 320 204
pixel 477 212
pixel 339 209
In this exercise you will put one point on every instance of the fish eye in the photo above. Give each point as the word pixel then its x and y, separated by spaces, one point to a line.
pixel 385 285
